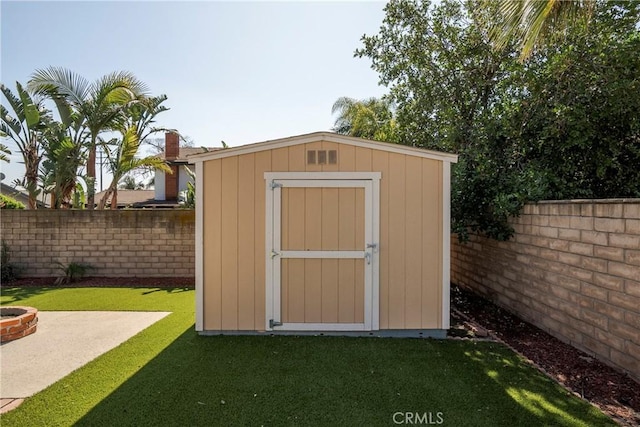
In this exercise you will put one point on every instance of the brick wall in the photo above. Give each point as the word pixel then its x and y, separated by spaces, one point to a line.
pixel 572 269
pixel 122 243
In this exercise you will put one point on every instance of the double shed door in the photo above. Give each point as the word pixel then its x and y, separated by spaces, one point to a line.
pixel 322 251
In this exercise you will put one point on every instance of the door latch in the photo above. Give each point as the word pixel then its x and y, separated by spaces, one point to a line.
pixel 273 324
pixel 373 246
pixel 367 256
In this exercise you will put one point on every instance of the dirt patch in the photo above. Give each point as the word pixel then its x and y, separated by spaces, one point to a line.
pixel 614 392
pixel 107 282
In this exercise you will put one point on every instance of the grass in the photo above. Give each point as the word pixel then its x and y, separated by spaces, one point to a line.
pixel 168 375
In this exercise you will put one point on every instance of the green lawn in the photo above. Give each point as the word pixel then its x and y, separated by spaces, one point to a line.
pixel 168 375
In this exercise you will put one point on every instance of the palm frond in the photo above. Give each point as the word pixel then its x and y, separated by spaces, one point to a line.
pixel 529 22
pixel 59 81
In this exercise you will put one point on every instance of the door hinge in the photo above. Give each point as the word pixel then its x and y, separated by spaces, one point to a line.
pixel 275 185
pixel 273 324
pixel 274 254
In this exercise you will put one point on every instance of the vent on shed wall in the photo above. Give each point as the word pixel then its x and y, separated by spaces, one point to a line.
pixel 322 157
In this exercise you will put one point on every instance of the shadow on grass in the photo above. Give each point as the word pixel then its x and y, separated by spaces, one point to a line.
pixel 13 294
pixel 171 290
pixel 276 380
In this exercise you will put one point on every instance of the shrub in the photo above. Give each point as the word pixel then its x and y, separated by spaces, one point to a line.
pixel 7 202
pixel 72 272
pixel 9 270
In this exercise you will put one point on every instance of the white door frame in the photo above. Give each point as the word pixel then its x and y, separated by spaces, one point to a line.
pixel 370 182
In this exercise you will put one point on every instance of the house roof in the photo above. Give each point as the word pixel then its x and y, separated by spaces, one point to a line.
pixel 185 152
pixel 137 199
pixel 323 136
pixel 21 196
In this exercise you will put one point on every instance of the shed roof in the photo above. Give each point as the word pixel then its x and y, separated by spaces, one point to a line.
pixel 324 136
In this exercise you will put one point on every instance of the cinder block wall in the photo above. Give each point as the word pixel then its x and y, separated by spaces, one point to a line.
pixel 572 269
pixel 122 243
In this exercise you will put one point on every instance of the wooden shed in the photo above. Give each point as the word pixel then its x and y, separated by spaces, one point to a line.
pixel 323 233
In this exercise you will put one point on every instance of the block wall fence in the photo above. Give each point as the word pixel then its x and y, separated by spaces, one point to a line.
pixel 122 243
pixel 572 269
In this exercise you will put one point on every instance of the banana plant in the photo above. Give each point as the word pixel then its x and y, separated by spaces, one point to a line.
pixel 64 155
pixel 4 153
pixel 25 126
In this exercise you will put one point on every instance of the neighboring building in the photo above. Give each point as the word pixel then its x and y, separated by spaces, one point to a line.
pixel 22 197
pixel 137 199
pixel 168 186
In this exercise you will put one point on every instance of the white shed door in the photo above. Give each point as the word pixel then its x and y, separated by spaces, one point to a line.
pixel 322 253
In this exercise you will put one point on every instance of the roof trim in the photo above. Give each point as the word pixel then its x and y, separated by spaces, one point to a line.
pixel 323 136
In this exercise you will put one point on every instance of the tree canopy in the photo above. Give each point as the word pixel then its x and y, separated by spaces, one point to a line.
pixel 564 124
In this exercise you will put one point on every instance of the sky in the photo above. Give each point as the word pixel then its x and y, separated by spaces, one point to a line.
pixel 236 71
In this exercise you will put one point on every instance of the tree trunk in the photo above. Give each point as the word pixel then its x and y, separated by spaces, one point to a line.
pixel 103 202
pixel 31 175
pixel 91 174
pixel 114 199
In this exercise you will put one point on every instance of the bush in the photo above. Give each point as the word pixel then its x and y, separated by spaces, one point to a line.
pixel 7 202
pixel 8 270
pixel 72 272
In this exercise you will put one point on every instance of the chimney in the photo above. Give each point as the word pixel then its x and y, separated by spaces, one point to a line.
pixel 171 146
pixel 171 153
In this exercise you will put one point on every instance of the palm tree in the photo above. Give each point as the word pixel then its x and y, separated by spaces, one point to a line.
pixel 530 22
pixel 138 117
pixel 124 161
pixel 98 104
pixel 370 118
pixel 25 128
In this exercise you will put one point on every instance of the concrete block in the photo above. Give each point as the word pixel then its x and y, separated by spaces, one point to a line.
pixel 607 281
pixel 594 237
pixel 594 291
pixel 613 225
pixel 569 233
pixel 581 223
pixel 632 226
pixel 631 210
pixel 609 253
pixel 625 301
pixel 608 210
pixel 628 271
pixel 626 241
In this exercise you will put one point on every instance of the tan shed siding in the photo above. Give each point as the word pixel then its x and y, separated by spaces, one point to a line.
pixel 432 242
pixel 410 240
pixel 396 222
pixel 413 243
pixel 229 235
pixel 246 241
pixel 262 165
pixel 212 250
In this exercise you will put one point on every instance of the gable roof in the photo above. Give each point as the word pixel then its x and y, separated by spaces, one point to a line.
pixel 21 196
pixel 324 136
pixel 185 152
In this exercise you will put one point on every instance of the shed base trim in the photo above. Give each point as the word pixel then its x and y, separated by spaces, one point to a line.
pixel 393 333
